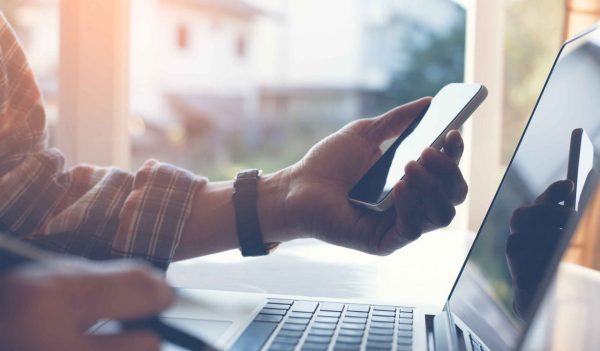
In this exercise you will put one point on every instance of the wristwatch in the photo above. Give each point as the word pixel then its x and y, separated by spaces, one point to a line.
pixel 245 199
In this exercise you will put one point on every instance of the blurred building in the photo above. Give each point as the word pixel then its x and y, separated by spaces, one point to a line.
pixel 191 70
pixel 214 82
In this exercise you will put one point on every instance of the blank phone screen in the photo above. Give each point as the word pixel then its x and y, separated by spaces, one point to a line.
pixel 445 107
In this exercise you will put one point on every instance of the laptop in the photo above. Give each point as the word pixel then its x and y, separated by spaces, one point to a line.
pixel 505 276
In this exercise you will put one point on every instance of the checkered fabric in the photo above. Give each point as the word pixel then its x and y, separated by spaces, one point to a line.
pixel 94 212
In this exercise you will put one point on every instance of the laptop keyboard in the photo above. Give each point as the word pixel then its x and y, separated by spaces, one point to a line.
pixel 290 325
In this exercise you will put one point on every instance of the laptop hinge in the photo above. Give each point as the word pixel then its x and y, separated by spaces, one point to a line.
pixel 444 331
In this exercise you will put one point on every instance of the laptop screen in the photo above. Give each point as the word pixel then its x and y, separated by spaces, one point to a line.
pixel 527 226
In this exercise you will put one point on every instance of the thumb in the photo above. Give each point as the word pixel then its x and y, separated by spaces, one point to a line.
pixel 392 123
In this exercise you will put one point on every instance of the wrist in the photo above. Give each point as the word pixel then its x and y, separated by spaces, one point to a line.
pixel 275 223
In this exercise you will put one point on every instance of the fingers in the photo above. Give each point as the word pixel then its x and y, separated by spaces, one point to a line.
pixel 557 192
pixel 119 291
pixel 130 341
pixel 394 122
pixel 438 207
pixel 446 170
pixel 454 146
pixel 539 217
pixel 408 218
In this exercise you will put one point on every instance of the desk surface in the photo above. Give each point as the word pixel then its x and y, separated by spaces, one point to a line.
pixel 422 272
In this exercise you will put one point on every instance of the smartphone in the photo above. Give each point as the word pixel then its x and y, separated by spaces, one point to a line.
pixel 581 163
pixel 448 110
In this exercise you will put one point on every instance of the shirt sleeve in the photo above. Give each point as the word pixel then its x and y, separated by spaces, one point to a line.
pixel 94 212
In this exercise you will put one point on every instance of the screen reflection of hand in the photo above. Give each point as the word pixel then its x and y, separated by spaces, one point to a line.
pixel 535 233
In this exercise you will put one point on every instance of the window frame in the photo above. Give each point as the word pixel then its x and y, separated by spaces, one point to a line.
pixel 94 82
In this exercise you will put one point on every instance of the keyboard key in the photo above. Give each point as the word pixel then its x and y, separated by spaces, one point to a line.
pixel 405 321
pixel 384 308
pixel 357 314
pixel 404 327
pixel 329 314
pixel 402 333
pixel 404 348
pixel 277 307
pixel 406 309
pixel 291 333
pixel 281 347
pixel 305 306
pixel 383 319
pixel 273 311
pixel 352 332
pixel 383 325
pixel 254 336
pixel 404 341
pixel 348 339
pixel 329 326
pixel 381 331
pixel 285 340
pixel 281 301
pixel 321 332
pixel 380 338
pixel 326 320
pixel 377 348
pixel 331 306
pixel 301 315
pixel 355 320
pixel 353 326
pixel 290 326
pixel 406 315
pixel 303 321
pixel 346 347
pixel 358 308
pixel 318 339
pixel 269 318
pixel 309 346
pixel 379 345
pixel 384 313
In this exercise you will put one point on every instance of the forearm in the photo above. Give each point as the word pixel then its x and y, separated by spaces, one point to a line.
pixel 211 227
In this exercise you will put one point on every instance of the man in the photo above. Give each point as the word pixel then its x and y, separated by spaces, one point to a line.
pixel 162 213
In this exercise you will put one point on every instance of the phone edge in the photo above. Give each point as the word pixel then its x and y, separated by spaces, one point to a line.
pixel 386 203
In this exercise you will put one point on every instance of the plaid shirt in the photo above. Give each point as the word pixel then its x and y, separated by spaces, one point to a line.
pixel 94 212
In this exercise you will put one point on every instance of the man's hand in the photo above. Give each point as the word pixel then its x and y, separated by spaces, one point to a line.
pixel 317 202
pixel 536 230
pixel 51 307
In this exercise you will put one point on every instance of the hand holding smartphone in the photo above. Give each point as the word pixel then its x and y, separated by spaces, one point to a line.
pixel 449 109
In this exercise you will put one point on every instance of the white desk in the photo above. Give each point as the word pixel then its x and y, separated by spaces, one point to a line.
pixel 422 272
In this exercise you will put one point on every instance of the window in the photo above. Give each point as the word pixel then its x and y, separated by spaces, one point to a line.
pixel 182 37
pixel 240 46
pixel 293 76
pixel 533 37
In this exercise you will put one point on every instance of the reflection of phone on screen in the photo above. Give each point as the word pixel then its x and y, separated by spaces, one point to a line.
pixel 449 109
pixel 581 163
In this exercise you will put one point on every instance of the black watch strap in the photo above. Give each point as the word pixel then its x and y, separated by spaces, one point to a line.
pixel 245 199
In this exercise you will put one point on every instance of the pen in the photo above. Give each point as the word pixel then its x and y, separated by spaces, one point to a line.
pixel 14 254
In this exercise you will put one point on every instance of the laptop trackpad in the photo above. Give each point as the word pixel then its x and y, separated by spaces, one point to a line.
pixel 209 330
